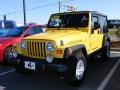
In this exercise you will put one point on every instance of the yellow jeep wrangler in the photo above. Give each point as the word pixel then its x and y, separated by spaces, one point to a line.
pixel 69 40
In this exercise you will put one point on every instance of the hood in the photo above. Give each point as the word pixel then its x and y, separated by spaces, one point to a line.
pixel 67 36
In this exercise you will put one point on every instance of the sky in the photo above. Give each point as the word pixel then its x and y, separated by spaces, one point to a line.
pixel 39 11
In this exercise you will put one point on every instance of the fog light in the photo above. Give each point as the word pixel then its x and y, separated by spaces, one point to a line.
pixel 49 58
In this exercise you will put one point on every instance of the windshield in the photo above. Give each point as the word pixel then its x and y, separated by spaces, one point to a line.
pixel 68 20
pixel 14 32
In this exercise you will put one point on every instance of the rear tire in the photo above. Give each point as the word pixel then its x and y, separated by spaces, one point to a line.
pixel 76 69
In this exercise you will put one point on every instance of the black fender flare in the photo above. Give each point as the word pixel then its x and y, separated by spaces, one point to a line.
pixel 105 38
pixel 68 53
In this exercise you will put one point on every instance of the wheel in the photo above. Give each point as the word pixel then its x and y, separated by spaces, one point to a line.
pixel 106 51
pixel 21 70
pixel 8 55
pixel 76 69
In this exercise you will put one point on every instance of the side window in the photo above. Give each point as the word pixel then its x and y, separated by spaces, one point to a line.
pixel 8 25
pixel 94 20
pixel 30 32
pixel 0 25
pixel 35 30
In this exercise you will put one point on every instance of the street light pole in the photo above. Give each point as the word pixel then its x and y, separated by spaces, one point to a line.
pixel 24 12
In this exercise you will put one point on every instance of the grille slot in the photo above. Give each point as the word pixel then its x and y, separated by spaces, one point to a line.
pixel 36 49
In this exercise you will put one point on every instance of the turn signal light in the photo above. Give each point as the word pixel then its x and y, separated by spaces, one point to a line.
pixel 59 51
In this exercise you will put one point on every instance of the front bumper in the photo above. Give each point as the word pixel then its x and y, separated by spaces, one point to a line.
pixel 57 65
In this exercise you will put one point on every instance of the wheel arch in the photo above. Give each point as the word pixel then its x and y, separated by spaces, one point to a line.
pixel 74 49
pixel 105 39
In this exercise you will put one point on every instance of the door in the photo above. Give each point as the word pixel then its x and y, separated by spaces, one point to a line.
pixel 95 35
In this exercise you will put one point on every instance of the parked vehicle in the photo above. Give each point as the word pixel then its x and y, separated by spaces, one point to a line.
pixel 7 24
pixel 13 37
pixel 69 40
pixel 114 23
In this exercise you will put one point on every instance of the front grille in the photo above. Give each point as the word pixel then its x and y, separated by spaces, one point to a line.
pixel 36 49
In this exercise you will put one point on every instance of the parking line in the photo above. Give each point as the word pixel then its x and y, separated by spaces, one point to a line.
pixel 4 73
pixel 2 88
pixel 108 77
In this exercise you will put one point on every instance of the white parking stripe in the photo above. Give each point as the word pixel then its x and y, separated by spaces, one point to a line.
pixel 108 77
pixel 2 88
pixel 1 74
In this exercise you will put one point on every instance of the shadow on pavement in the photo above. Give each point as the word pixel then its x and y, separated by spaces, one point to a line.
pixel 46 80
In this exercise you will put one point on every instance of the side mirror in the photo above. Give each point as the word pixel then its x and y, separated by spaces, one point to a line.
pixel 96 25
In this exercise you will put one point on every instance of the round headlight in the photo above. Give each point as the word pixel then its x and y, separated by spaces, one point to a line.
pixel 50 47
pixel 23 45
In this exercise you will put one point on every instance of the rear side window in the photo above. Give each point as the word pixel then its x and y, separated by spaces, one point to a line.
pixel 8 25
pixel 0 25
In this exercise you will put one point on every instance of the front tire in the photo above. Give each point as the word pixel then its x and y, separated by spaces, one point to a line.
pixel 76 69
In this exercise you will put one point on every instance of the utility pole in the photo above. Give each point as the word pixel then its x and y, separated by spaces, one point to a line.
pixel 59 6
pixel 4 17
pixel 24 12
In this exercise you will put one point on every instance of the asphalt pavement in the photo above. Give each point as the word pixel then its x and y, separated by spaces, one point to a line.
pixel 114 83
pixel 99 76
